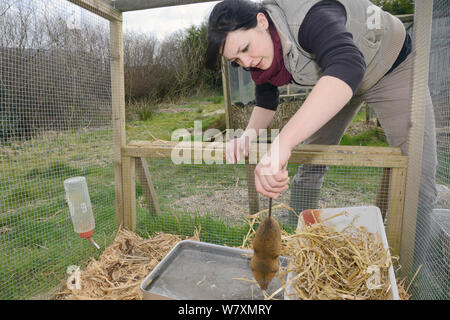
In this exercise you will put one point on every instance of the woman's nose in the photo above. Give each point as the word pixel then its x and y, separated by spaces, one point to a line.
pixel 246 61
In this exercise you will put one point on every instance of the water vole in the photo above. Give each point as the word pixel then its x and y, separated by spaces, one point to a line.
pixel 267 248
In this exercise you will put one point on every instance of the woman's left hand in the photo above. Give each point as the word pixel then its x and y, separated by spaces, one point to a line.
pixel 271 176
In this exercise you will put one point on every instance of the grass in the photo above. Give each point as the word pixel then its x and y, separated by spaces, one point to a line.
pixel 37 240
pixel 163 124
pixel 371 137
pixel 212 230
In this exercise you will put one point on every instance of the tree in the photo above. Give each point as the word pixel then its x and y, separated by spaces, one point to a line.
pixel 396 7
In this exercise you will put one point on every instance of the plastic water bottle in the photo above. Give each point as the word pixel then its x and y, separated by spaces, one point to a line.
pixel 80 207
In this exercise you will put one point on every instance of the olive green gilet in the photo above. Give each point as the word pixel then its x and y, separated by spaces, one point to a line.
pixel 377 34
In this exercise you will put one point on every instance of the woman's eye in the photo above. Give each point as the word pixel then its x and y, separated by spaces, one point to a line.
pixel 234 64
pixel 245 49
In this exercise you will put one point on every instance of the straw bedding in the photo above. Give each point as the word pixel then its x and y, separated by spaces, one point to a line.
pixel 119 271
pixel 331 264
pixel 350 264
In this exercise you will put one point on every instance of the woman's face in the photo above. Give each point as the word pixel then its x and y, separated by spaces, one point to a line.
pixel 251 48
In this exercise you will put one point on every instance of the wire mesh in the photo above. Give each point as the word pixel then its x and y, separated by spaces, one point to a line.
pixel 242 87
pixel 215 199
pixel 55 123
pixel 431 253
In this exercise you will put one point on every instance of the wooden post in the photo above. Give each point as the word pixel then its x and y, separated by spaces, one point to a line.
pixel 118 111
pixel 253 198
pixel 367 109
pixel 396 206
pixel 145 179
pixel 129 193
pixel 241 84
pixel 383 192
pixel 423 13
pixel 226 91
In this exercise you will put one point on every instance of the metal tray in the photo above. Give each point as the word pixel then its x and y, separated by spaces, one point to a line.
pixel 197 270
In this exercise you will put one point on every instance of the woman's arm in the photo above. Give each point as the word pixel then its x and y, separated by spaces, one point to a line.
pixel 237 149
pixel 260 119
pixel 324 34
pixel 327 98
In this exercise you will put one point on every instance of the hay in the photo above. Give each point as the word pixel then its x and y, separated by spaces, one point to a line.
pixel 332 264
pixel 351 264
pixel 286 109
pixel 119 271
pixel 402 291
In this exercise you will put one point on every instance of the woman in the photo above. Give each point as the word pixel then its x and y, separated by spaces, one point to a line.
pixel 349 50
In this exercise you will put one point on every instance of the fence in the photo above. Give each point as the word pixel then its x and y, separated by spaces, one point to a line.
pixel 425 252
pixel 55 123
pixel 62 115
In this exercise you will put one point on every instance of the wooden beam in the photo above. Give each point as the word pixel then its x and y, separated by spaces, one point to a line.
pixel 293 95
pixel 406 17
pixel 351 160
pixel 301 147
pixel 348 149
pixel 131 5
pixel 118 111
pixel 145 179
pixel 102 8
pixel 334 155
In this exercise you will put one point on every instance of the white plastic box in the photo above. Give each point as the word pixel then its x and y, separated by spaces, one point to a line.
pixel 369 217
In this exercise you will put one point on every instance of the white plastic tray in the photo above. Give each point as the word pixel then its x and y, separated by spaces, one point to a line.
pixel 196 270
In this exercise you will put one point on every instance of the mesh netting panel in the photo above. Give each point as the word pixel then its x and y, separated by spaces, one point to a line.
pixel 431 250
pixel 216 198
pixel 55 123
pixel 242 86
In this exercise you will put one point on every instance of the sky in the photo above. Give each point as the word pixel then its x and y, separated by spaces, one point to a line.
pixel 164 21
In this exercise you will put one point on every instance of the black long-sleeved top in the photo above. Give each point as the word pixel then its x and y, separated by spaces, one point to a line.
pixel 323 33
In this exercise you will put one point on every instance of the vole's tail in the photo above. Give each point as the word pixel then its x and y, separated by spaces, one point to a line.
pixel 270 207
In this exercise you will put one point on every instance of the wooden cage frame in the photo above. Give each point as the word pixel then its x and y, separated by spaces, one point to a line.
pixel 401 172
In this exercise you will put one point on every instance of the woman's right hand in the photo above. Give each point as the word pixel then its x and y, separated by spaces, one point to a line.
pixel 237 149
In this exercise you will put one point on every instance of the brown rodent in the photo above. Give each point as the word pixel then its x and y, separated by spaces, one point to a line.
pixel 267 248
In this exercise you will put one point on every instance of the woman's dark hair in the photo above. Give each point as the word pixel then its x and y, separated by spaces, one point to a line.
pixel 227 16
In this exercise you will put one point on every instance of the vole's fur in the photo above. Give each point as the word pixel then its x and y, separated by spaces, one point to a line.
pixel 267 248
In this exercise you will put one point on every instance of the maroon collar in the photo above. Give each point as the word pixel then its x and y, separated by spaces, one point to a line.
pixel 277 73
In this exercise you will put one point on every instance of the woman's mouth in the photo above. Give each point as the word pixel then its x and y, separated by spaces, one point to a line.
pixel 259 64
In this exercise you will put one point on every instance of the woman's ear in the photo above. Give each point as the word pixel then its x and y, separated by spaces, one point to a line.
pixel 262 21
